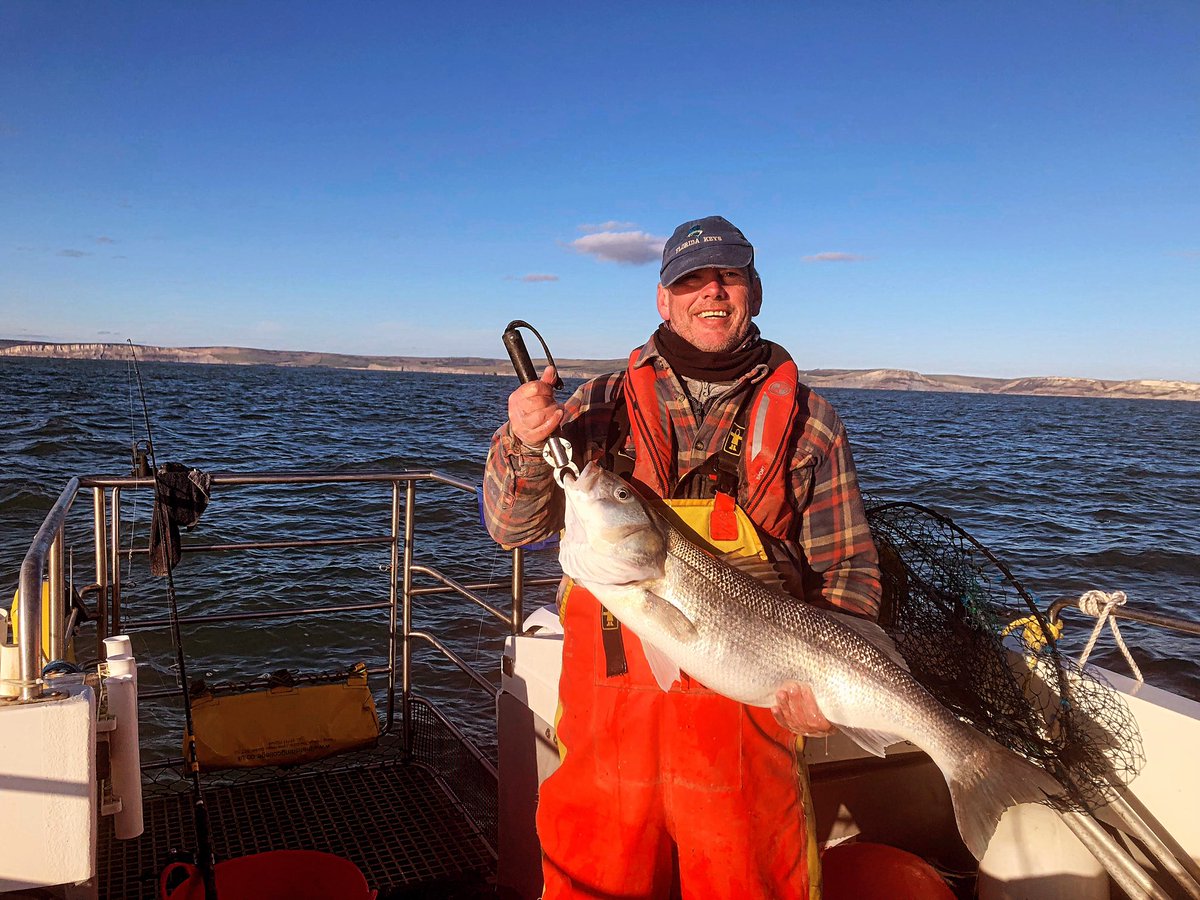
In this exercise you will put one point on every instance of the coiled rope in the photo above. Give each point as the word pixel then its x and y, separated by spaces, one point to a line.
pixel 1100 605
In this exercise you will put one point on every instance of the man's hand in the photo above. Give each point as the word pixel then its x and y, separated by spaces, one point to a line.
pixel 796 710
pixel 533 414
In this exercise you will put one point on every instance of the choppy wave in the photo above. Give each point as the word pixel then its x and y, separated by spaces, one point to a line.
pixel 1073 493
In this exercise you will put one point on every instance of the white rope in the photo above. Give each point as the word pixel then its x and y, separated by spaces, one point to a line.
pixel 1100 605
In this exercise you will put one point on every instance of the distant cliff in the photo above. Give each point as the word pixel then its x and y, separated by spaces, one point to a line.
pixel 1053 386
pixel 873 379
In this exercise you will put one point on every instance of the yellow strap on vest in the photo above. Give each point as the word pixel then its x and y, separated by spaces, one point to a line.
pixel 695 515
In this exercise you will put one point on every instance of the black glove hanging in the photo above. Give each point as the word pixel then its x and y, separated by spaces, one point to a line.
pixel 180 496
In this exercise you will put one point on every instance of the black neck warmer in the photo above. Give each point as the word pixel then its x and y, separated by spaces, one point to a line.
pixel 724 365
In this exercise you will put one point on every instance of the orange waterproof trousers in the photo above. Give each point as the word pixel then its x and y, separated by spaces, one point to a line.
pixel 654 782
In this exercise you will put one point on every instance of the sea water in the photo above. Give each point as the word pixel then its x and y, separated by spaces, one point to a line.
pixel 1072 493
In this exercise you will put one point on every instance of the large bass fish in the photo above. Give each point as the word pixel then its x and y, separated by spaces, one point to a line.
pixel 694 611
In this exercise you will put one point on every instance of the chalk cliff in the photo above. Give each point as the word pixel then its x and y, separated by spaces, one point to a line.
pixel 870 379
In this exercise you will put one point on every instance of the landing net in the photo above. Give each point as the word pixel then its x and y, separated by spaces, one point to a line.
pixel 946 602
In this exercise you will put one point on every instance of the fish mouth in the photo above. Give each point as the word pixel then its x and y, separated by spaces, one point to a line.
pixel 587 478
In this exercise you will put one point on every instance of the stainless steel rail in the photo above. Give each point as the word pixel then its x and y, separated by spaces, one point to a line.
pixel 48 545
pixel 143 624
pixel 30 604
pixel 1159 620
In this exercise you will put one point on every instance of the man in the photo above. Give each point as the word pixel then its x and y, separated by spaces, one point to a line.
pixel 710 417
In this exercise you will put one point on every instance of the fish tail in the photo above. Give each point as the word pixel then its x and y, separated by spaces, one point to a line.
pixel 988 782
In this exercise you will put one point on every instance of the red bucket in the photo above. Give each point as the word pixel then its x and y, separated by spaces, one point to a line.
pixel 275 875
pixel 868 871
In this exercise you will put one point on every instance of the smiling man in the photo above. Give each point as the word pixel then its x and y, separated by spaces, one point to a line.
pixel 685 786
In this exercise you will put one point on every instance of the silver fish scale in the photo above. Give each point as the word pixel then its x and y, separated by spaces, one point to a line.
pixel 695 613
pixel 793 641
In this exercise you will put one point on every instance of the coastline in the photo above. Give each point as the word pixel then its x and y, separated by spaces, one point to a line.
pixel 866 379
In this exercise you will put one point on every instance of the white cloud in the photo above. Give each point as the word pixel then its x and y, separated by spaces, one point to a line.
pixel 834 256
pixel 610 225
pixel 532 277
pixel 631 248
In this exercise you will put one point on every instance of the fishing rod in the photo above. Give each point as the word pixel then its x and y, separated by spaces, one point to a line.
pixel 205 858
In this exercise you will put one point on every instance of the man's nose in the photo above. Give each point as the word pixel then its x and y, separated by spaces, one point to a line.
pixel 714 287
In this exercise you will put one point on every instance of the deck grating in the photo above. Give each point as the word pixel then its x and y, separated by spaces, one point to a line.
pixel 395 820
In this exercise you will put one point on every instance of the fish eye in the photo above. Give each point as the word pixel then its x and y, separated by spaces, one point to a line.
pixel 621 493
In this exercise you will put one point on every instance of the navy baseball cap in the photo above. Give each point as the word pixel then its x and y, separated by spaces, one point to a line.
pixel 701 243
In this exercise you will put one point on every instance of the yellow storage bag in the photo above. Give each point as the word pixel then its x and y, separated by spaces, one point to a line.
pixel 283 725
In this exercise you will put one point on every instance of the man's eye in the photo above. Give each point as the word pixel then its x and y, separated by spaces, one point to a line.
pixel 734 275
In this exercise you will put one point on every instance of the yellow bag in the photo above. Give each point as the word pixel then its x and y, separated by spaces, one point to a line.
pixel 14 619
pixel 283 725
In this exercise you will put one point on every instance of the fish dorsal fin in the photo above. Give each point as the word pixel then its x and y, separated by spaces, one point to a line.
pixel 872 741
pixel 666 672
pixel 870 631
pixel 761 570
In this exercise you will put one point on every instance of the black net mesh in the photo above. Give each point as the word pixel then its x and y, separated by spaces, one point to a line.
pixel 951 606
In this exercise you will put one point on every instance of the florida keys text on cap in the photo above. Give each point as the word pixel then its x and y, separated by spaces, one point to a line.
pixel 701 243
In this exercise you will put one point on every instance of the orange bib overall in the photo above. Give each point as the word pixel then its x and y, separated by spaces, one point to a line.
pixel 653 783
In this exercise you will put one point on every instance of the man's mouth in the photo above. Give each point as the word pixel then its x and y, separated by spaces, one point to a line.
pixel 714 314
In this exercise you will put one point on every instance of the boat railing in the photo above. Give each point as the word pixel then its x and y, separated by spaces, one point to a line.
pixel 45 563
pixel 1145 617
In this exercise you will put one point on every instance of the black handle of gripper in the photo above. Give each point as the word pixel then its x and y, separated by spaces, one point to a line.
pixel 515 344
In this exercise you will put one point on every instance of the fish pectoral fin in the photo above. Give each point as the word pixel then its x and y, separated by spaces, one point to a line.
pixel 666 672
pixel 872 741
pixel 669 617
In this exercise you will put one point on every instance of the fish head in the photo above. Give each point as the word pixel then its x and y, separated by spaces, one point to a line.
pixel 611 536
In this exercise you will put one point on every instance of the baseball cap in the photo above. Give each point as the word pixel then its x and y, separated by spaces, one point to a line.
pixel 700 243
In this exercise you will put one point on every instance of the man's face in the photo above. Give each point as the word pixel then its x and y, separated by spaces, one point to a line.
pixel 709 308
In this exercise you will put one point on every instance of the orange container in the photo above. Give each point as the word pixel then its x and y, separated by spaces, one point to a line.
pixel 868 871
pixel 275 875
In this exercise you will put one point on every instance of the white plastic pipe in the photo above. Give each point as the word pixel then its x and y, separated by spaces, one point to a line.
pixel 10 670
pixel 117 645
pixel 123 665
pixel 124 755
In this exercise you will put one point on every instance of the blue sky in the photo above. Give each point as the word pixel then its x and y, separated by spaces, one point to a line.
pixel 997 189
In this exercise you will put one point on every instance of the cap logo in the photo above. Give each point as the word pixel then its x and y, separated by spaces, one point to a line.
pixel 695 232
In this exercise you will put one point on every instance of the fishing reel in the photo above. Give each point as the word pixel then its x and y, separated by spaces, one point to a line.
pixel 141 453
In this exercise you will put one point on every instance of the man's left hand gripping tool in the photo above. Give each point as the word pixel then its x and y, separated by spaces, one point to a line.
pixel 557 450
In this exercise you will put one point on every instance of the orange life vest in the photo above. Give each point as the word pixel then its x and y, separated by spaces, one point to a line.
pixel 773 410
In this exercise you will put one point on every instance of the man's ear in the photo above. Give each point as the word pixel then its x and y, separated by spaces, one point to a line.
pixel 663 299
pixel 755 292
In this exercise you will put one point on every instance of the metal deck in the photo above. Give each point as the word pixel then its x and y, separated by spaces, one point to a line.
pixel 405 824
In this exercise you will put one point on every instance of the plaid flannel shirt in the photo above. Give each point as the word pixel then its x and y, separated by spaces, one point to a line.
pixel 830 560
